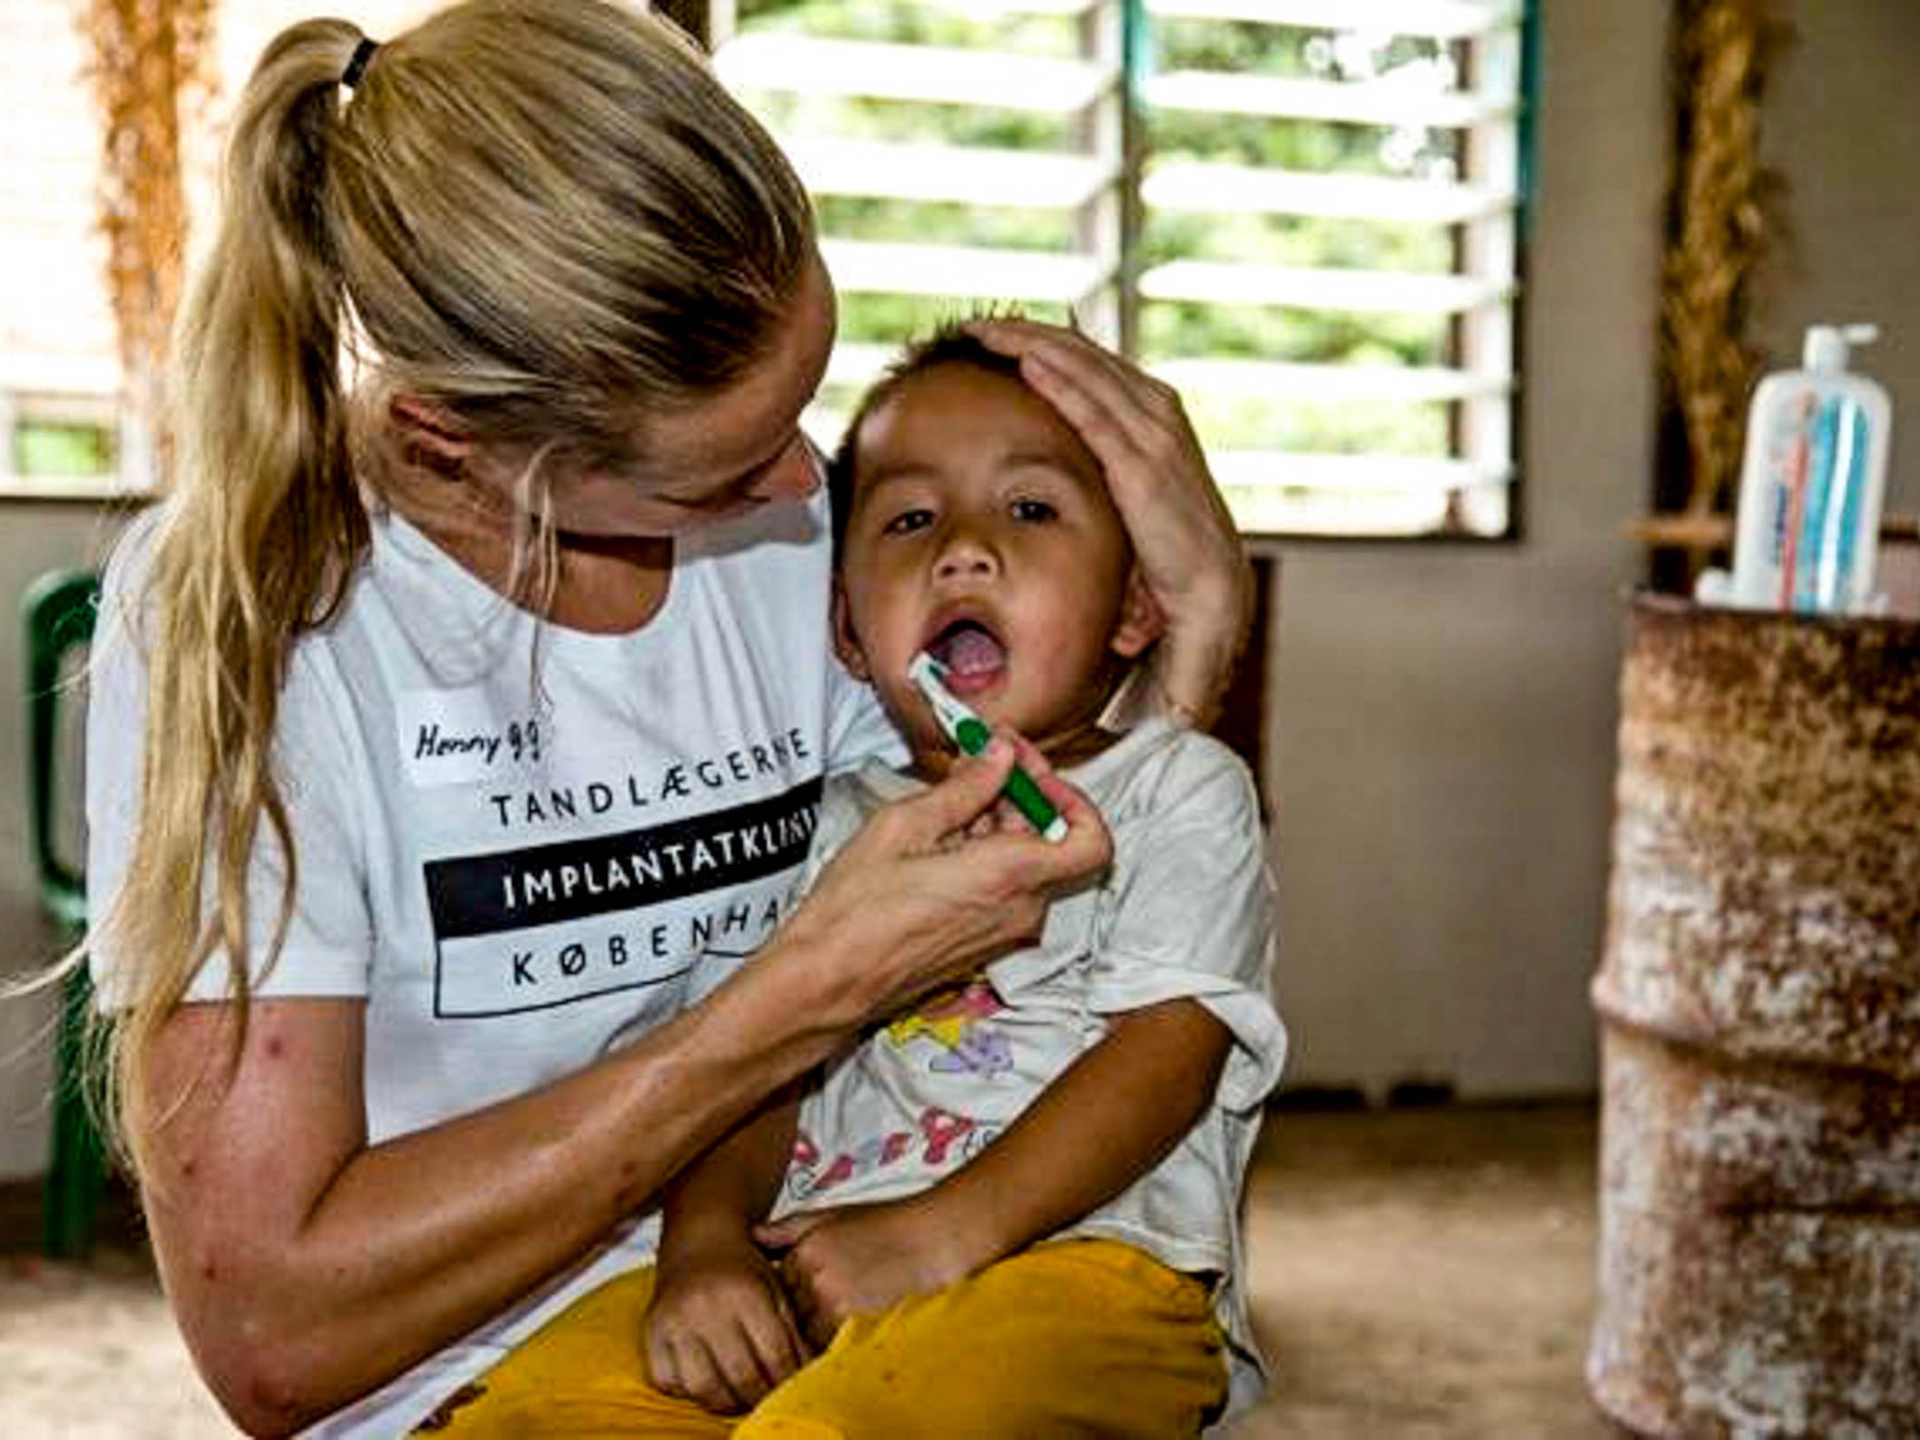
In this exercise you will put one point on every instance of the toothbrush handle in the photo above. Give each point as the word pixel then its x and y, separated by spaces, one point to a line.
pixel 1021 791
pixel 1031 802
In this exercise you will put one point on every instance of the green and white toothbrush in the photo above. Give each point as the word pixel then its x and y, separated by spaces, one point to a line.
pixel 970 733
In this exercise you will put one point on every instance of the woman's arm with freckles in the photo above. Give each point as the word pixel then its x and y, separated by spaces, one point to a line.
pixel 280 1232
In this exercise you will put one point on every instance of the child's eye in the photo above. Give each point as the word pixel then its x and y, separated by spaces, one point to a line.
pixel 1033 512
pixel 907 521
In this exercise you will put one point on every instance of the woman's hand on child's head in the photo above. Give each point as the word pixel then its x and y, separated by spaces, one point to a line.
pixel 916 899
pixel 720 1331
pixel 1185 540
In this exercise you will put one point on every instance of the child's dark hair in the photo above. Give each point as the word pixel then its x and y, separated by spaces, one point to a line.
pixel 950 344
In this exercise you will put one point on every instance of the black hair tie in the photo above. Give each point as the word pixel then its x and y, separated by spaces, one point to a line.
pixel 357 66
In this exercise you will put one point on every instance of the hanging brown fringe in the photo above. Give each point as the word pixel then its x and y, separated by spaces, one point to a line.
pixel 148 59
pixel 1723 213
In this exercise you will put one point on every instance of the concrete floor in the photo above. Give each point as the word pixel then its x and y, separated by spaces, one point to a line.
pixel 1421 1273
pixel 1425 1273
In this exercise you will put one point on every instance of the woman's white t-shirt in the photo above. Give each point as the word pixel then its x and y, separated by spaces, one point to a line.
pixel 514 841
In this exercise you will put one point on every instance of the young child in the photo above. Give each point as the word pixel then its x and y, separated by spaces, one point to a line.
pixel 1099 1091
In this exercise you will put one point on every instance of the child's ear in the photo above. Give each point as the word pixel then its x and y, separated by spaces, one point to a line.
pixel 845 643
pixel 1141 620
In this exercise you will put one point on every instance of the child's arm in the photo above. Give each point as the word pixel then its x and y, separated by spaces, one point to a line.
pixel 719 1330
pixel 1107 1120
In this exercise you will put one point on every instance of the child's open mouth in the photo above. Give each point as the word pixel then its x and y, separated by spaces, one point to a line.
pixel 970 653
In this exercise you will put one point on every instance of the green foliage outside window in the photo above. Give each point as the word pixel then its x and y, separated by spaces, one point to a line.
pixel 905 23
pixel 62 450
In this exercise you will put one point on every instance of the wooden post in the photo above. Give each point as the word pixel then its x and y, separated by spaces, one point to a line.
pixel 146 56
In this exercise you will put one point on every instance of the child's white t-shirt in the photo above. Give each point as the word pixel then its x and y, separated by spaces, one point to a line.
pixel 515 841
pixel 1188 910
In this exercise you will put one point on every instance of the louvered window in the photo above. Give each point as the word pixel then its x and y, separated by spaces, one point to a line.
pixel 1304 213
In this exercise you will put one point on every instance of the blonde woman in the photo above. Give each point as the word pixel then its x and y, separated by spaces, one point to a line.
pixel 473 679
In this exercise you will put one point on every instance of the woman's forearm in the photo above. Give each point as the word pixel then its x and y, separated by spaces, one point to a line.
pixel 308 1268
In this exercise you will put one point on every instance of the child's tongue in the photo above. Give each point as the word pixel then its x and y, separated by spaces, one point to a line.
pixel 974 654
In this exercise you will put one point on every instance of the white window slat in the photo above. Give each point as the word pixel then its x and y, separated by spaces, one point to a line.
pixel 964 271
pixel 1282 470
pixel 1210 186
pixel 1385 101
pixel 1378 514
pixel 74 487
pixel 1370 291
pixel 931 74
pixel 995 9
pixel 1490 248
pixel 91 376
pixel 824 424
pixel 1283 381
pixel 975 176
pixel 1438 19
pixel 859 365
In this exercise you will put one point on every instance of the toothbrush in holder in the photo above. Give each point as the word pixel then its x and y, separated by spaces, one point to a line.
pixel 970 733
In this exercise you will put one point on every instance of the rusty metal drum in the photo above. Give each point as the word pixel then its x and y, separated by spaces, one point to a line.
pixel 1759 997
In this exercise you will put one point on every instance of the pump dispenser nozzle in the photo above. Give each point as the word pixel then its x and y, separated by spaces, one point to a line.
pixel 1824 351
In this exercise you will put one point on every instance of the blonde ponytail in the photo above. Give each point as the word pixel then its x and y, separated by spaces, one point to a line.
pixel 261 528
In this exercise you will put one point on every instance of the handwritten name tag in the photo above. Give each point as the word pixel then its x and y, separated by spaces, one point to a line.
pixel 457 737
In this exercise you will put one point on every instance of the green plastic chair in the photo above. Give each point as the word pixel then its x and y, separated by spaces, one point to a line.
pixel 59 610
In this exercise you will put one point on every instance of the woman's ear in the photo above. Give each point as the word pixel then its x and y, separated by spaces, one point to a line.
pixel 1141 620
pixel 845 643
pixel 429 432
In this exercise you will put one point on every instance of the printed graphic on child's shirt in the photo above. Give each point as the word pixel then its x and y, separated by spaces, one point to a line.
pixel 953 1020
pixel 940 1141
pixel 951 1034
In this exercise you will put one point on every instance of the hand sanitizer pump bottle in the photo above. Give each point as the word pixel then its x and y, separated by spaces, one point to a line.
pixel 1807 525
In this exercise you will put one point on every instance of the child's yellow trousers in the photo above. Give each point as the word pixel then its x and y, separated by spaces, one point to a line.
pixel 1071 1338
